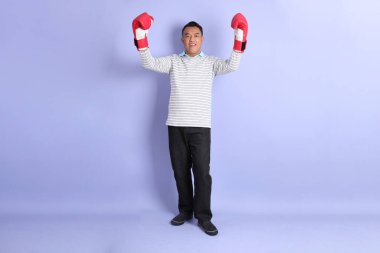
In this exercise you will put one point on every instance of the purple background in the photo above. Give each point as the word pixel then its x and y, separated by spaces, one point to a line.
pixel 295 129
pixel 83 124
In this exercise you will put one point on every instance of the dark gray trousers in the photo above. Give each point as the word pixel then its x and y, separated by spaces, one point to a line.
pixel 190 151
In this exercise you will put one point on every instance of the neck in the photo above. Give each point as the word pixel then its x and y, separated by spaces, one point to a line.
pixel 192 55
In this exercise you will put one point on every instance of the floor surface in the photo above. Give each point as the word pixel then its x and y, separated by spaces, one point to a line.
pixel 150 231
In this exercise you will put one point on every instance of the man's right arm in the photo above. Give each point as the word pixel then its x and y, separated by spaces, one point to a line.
pixel 140 26
pixel 158 64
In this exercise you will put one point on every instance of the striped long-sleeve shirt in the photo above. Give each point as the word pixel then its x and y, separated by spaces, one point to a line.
pixel 191 81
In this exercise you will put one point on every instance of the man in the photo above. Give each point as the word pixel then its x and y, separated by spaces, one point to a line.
pixel 189 118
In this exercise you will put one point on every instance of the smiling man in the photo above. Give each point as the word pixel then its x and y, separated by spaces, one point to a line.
pixel 189 117
pixel 192 38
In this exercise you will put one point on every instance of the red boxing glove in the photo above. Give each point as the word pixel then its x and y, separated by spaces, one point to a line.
pixel 240 24
pixel 140 26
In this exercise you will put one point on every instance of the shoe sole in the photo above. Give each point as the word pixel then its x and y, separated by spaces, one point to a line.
pixel 178 223
pixel 212 233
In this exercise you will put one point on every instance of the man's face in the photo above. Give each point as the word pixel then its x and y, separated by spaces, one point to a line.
pixel 192 40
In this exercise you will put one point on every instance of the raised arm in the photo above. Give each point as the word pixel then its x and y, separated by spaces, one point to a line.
pixel 158 64
pixel 240 25
pixel 140 26
pixel 226 66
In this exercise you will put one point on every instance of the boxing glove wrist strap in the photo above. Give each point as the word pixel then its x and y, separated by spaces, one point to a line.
pixel 240 46
pixel 142 43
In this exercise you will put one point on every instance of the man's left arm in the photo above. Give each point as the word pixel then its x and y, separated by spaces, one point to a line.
pixel 240 25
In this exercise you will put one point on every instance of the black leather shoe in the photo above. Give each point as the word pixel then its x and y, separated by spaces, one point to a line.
pixel 180 219
pixel 208 227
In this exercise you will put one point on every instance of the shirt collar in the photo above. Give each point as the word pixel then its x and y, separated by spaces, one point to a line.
pixel 201 54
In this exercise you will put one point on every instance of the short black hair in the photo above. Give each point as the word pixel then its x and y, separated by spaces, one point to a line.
pixel 193 24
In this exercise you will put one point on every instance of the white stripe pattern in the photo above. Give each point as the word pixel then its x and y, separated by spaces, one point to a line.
pixel 191 81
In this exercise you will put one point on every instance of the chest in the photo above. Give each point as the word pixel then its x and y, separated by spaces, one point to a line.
pixel 193 69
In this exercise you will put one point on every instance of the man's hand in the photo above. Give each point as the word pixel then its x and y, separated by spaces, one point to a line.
pixel 140 26
pixel 240 25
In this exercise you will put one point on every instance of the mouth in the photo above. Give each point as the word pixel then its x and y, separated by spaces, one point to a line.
pixel 192 44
